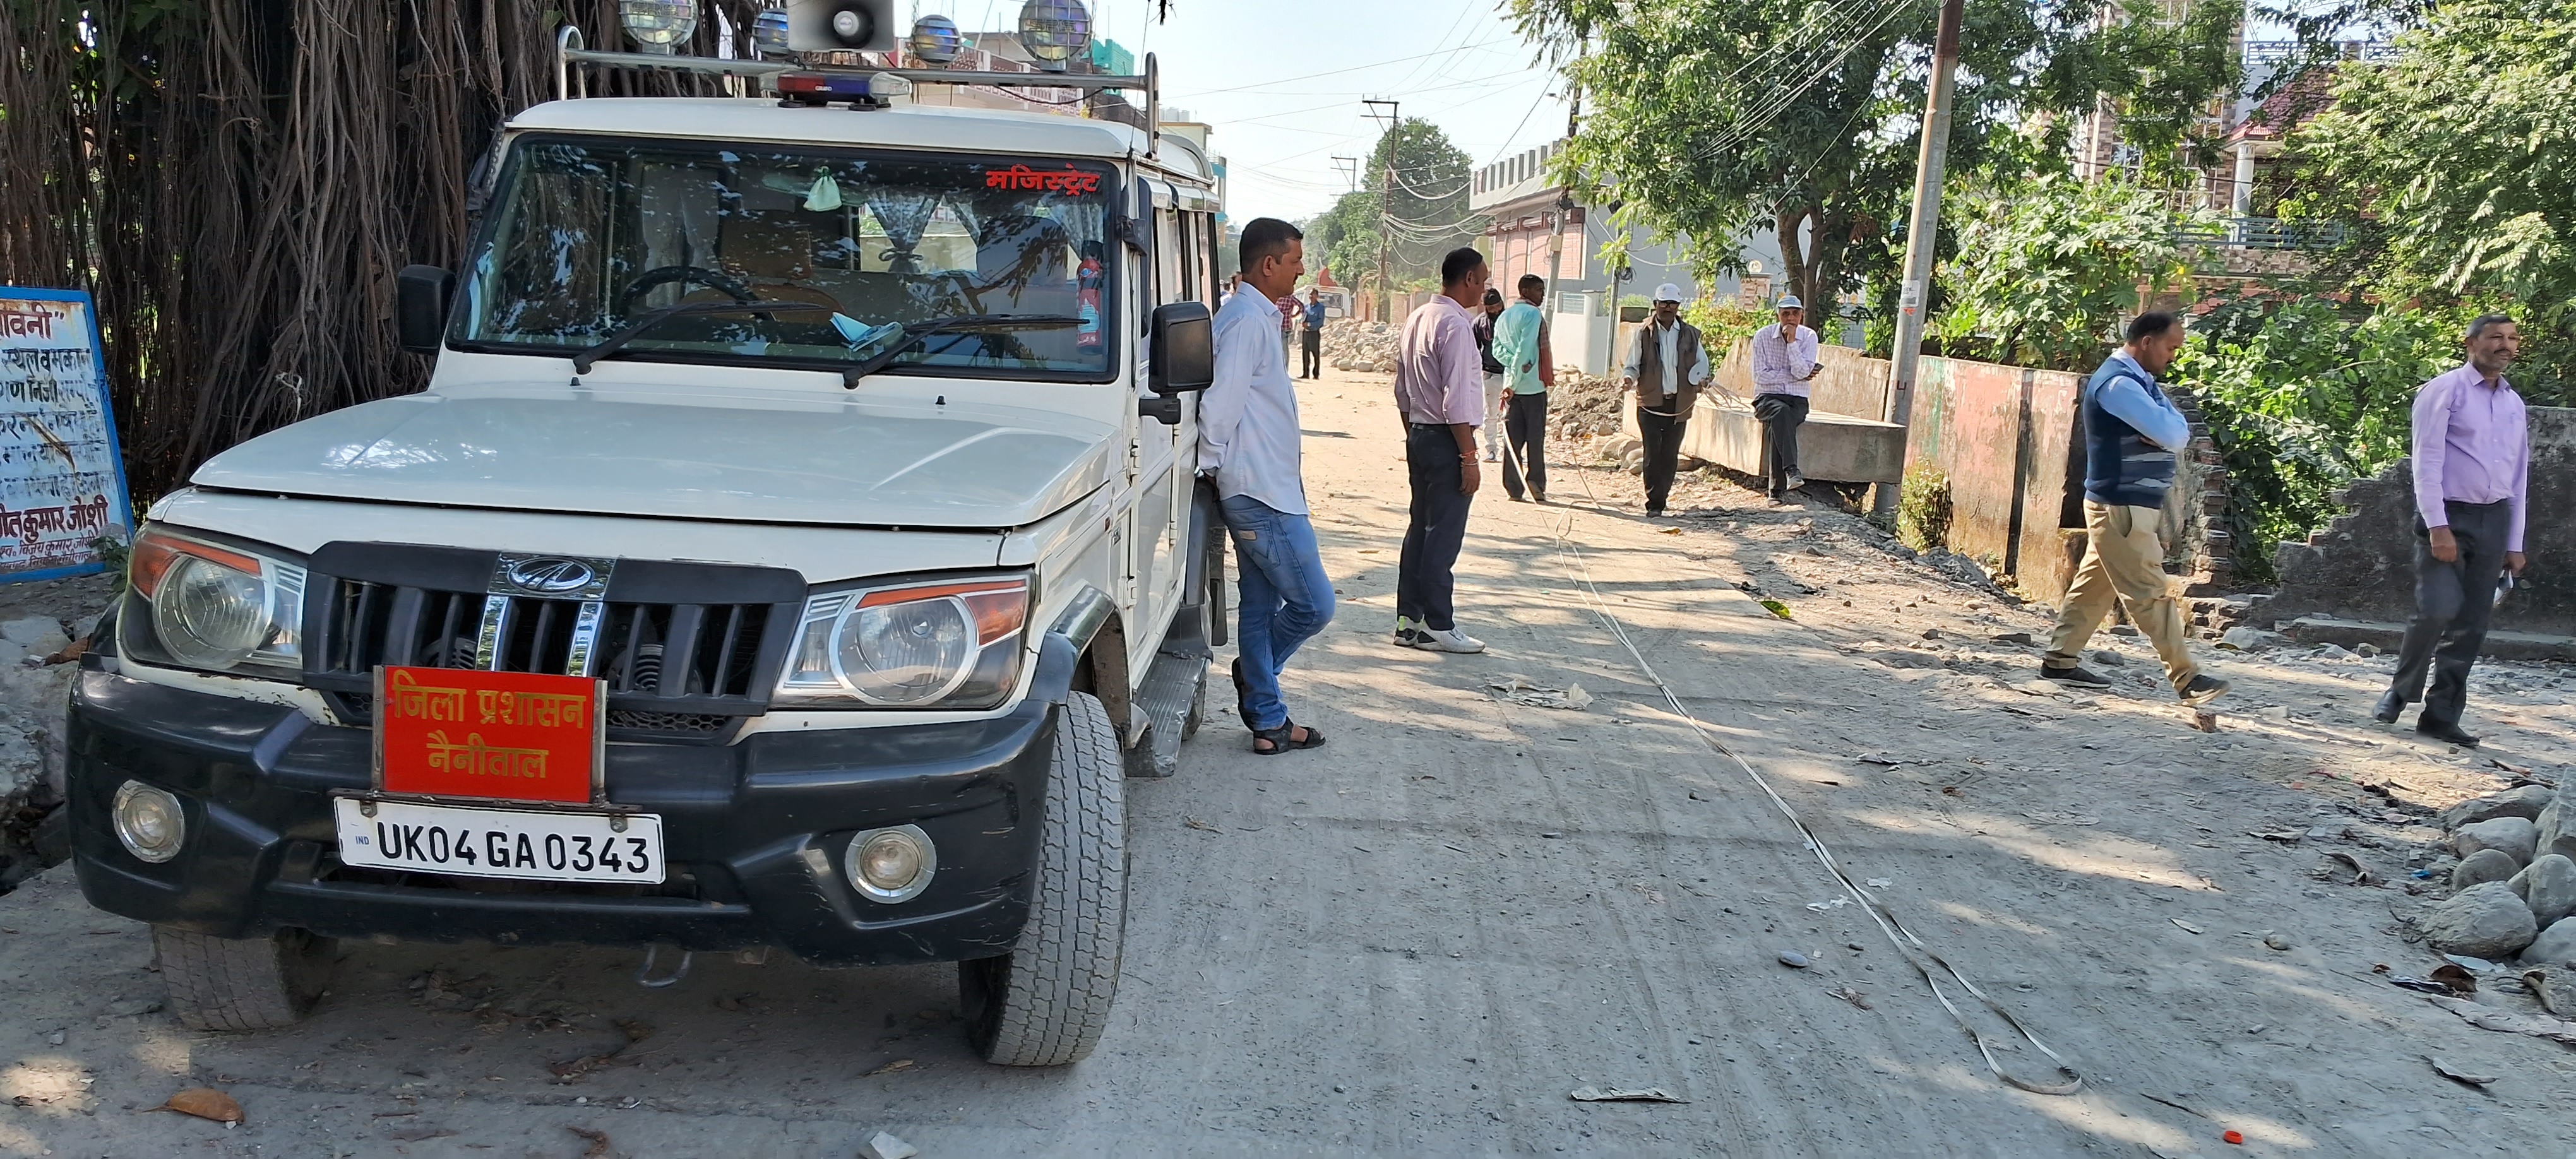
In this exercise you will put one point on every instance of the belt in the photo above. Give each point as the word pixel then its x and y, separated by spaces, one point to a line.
pixel 1428 426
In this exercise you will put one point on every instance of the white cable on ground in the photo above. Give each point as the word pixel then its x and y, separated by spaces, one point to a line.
pixel 1907 945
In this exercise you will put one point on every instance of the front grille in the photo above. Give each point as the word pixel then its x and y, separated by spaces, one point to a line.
pixel 683 661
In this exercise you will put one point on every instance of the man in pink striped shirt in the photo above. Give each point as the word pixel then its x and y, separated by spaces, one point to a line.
pixel 2472 489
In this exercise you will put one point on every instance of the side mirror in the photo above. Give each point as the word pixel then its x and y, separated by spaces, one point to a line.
pixel 420 307
pixel 1183 349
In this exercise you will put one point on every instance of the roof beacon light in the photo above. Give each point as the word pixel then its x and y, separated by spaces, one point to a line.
pixel 656 26
pixel 1054 30
pixel 874 90
pixel 935 40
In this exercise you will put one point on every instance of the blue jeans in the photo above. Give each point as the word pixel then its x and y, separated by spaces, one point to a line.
pixel 1286 598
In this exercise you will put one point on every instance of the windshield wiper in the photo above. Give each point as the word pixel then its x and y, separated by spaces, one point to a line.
pixel 913 333
pixel 590 356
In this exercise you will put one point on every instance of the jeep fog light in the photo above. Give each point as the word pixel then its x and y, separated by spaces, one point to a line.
pixel 892 865
pixel 149 822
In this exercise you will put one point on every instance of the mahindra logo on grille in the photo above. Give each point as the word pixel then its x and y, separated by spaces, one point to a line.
pixel 551 576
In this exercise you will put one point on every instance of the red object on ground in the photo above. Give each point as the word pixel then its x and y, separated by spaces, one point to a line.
pixel 2234 1137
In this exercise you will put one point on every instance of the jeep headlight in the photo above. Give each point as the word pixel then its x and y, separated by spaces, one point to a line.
pixel 946 645
pixel 213 607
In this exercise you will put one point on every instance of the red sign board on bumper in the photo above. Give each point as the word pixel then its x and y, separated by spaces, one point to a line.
pixel 502 736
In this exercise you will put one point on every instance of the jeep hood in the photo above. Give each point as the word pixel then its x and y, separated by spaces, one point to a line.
pixel 766 458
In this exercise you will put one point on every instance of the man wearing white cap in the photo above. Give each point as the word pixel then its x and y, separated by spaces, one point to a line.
pixel 1666 366
pixel 1784 362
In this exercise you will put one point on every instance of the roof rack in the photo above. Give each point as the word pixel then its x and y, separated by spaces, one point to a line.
pixel 569 83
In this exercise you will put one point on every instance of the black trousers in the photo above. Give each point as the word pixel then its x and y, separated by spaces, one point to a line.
pixel 1314 360
pixel 1426 580
pixel 1781 415
pixel 1525 424
pixel 1663 436
pixel 2453 602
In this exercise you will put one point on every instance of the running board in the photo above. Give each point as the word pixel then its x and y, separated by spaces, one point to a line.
pixel 1172 703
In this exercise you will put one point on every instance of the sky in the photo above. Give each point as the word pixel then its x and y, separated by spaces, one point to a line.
pixel 1252 71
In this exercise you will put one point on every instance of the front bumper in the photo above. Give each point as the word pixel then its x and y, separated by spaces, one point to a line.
pixel 755 833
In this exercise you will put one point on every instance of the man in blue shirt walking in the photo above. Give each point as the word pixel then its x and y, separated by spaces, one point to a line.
pixel 1314 310
pixel 2133 434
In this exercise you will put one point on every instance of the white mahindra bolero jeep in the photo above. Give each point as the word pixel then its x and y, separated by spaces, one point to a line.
pixel 794 547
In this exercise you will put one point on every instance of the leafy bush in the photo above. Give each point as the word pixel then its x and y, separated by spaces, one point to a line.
pixel 2302 399
pixel 1923 508
pixel 1721 323
pixel 2047 268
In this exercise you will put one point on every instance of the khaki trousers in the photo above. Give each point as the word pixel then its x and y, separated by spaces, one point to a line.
pixel 2124 559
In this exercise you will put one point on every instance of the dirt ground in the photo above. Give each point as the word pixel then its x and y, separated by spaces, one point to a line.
pixel 1420 938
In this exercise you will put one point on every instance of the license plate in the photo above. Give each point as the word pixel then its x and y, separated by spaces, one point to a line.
pixel 500 736
pixel 533 846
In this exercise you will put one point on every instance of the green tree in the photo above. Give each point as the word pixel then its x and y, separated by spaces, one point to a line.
pixel 1421 180
pixel 2046 269
pixel 1705 119
pixel 2457 157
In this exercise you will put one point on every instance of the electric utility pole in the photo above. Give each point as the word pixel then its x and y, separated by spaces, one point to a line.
pixel 1923 236
pixel 1386 197
pixel 1350 167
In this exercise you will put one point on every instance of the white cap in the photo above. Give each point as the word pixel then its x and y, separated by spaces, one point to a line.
pixel 1790 302
pixel 1668 292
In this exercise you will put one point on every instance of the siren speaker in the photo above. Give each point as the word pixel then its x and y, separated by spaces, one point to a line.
pixel 840 26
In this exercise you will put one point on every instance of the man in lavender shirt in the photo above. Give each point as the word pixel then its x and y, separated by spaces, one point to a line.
pixel 1440 390
pixel 1784 362
pixel 2472 486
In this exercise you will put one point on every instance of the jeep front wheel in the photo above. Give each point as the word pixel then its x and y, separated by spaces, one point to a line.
pixel 1046 1002
pixel 243 983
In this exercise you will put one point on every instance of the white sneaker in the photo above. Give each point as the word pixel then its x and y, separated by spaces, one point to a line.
pixel 1491 457
pixel 1796 480
pixel 1452 640
pixel 1408 632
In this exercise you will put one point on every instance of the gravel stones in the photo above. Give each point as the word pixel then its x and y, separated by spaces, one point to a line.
pixel 2513 836
pixel 2556 946
pixel 2525 802
pixel 2481 867
pixel 2244 639
pixel 2548 886
pixel 2482 921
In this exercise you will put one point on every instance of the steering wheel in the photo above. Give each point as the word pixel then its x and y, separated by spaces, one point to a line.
pixel 680 275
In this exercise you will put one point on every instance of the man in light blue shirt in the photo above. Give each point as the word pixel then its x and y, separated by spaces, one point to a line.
pixel 1520 345
pixel 2133 436
pixel 1249 441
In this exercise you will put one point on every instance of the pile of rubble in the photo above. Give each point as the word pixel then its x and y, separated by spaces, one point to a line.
pixel 2514 883
pixel 36 673
pixel 1351 345
pixel 1582 406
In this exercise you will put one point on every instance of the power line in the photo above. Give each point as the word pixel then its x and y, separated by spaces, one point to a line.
pixel 1339 71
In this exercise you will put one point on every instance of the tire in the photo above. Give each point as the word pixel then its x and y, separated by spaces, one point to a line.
pixel 1047 1001
pixel 243 983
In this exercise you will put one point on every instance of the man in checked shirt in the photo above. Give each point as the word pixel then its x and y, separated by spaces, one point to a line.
pixel 2472 490
pixel 1440 391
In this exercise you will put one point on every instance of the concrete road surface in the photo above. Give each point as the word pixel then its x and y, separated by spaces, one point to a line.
pixel 1420 938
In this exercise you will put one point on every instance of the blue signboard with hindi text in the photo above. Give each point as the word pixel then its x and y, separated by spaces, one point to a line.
pixel 62 478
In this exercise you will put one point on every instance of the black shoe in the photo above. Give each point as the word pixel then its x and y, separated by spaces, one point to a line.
pixel 2391 705
pixel 2079 676
pixel 2445 731
pixel 2202 690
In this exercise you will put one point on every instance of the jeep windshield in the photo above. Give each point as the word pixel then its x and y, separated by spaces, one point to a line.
pixel 587 236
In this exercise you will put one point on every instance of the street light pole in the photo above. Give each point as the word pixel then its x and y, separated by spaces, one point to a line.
pixel 1386 198
pixel 1922 237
